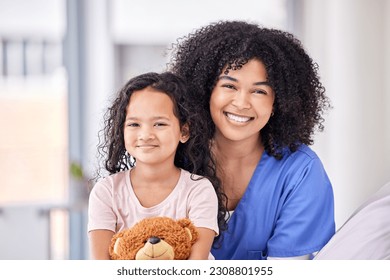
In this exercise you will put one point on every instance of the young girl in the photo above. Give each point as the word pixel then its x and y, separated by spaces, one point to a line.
pixel 152 148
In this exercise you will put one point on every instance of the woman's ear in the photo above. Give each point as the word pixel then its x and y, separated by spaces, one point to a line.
pixel 185 133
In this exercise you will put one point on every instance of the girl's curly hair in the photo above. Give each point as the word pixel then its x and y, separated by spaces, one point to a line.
pixel 300 98
pixel 193 156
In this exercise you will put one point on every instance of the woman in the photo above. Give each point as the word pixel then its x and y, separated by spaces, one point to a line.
pixel 262 96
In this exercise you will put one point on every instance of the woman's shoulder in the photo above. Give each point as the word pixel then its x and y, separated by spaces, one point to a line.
pixel 306 151
pixel 294 161
pixel 301 169
pixel 303 152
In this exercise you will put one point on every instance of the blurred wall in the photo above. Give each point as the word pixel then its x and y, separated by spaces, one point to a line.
pixel 34 130
pixel 350 40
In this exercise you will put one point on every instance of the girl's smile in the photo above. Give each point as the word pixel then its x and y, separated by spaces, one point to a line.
pixel 152 131
pixel 145 148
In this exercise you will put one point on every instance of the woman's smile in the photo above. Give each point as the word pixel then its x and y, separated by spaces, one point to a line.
pixel 241 102
pixel 237 118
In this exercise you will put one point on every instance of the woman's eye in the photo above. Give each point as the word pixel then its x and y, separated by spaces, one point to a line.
pixel 229 86
pixel 259 91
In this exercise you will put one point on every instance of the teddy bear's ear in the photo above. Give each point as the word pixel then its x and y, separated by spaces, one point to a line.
pixel 115 249
pixel 116 246
pixel 189 228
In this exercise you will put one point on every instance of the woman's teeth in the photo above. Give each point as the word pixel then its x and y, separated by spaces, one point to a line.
pixel 237 118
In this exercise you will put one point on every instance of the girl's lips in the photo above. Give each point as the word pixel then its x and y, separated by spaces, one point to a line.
pixel 237 118
pixel 147 146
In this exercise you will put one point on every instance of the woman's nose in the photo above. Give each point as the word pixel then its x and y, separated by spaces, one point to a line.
pixel 241 100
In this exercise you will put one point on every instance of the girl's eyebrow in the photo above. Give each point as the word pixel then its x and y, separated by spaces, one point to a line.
pixel 131 119
pixel 224 77
pixel 161 118
pixel 153 118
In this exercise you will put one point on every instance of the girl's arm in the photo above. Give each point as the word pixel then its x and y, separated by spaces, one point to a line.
pixel 99 242
pixel 201 248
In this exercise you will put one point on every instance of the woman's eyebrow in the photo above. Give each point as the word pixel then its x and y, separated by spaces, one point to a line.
pixel 266 83
pixel 224 77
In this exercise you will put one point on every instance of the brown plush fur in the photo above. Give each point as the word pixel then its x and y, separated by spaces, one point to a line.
pixel 180 235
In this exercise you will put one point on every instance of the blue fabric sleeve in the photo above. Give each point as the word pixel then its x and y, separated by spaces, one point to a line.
pixel 303 225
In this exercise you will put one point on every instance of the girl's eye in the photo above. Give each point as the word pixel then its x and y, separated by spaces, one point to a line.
pixel 160 124
pixel 133 124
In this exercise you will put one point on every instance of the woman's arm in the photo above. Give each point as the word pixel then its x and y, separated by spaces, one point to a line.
pixel 201 248
pixel 99 242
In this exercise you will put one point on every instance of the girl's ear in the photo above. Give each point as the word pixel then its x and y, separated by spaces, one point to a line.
pixel 185 133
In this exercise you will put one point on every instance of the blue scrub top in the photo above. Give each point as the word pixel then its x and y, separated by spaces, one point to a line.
pixel 287 210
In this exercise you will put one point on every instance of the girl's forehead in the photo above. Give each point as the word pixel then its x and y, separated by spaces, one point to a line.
pixel 150 102
pixel 148 93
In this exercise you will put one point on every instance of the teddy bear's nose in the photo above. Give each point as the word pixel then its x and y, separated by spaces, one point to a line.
pixel 154 240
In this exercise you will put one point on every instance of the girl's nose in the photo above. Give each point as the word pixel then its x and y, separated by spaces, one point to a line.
pixel 145 134
pixel 241 100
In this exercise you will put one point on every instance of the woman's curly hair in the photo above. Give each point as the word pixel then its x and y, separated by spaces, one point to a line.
pixel 300 99
pixel 193 156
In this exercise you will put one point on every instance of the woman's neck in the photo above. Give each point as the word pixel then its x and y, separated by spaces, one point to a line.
pixel 236 162
pixel 224 148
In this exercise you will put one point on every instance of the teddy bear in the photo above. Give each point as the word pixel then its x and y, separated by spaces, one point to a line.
pixel 156 238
